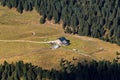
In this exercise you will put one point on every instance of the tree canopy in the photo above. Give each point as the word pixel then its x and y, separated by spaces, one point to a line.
pixel 95 18
pixel 94 70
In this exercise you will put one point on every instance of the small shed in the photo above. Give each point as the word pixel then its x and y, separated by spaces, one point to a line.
pixel 55 46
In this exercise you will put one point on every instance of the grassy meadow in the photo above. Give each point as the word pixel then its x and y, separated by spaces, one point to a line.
pixel 15 26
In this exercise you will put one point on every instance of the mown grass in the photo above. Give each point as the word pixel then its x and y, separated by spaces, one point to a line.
pixel 15 26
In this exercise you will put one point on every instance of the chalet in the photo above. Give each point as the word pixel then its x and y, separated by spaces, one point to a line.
pixel 62 41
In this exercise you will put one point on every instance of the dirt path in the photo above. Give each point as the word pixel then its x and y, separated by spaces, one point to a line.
pixel 23 41
pixel 37 42
pixel 80 53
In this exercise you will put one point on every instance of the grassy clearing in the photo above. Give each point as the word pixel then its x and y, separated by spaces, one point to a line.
pixel 15 26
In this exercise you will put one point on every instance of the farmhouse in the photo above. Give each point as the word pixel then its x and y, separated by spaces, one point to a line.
pixel 62 41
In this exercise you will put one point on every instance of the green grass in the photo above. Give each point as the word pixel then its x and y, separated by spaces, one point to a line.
pixel 15 26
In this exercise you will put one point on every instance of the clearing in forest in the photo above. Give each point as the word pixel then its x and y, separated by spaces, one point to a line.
pixel 15 26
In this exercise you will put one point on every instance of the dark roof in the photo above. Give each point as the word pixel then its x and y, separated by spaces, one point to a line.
pixel 64 41
pixel 62 38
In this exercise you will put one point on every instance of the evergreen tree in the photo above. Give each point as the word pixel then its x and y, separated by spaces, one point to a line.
pixel 42 20
pixel 20 7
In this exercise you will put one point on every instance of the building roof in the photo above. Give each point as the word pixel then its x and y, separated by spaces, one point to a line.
pixel 64 41
pixel 55 46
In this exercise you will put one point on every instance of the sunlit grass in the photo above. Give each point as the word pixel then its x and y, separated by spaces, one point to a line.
pixel 15 26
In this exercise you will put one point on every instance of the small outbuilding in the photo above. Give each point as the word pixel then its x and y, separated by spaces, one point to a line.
pixel 55 47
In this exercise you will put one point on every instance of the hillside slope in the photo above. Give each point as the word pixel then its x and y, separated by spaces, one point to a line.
pixel 15 26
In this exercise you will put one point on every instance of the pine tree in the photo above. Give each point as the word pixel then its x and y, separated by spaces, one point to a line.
pixel 20 7
pixel 42 20
pixel 3 2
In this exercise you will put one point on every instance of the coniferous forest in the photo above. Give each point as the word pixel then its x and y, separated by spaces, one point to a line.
pixel 102 70
pixel 95 18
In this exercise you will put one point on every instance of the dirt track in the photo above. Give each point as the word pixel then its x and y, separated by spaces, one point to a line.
pixel 23 41
pixel 37 42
